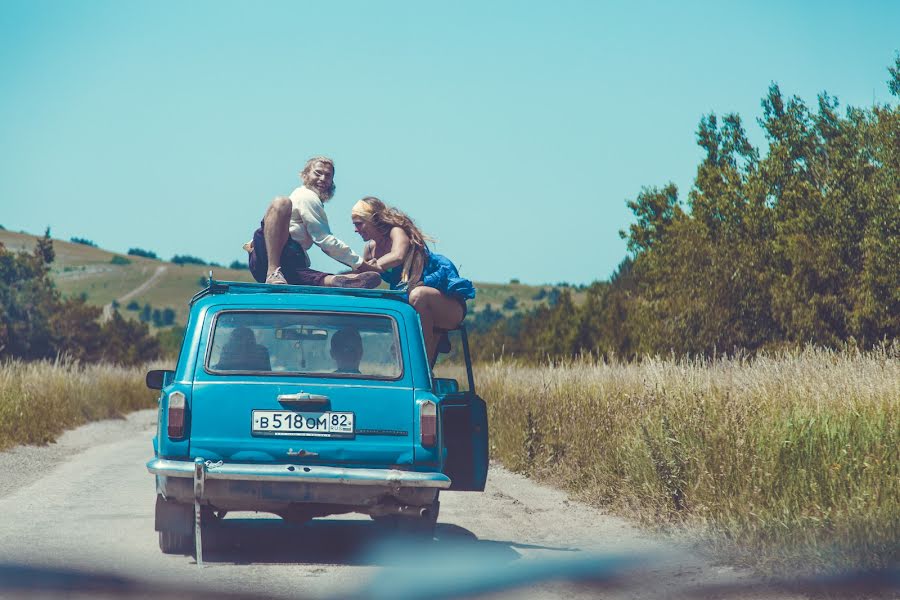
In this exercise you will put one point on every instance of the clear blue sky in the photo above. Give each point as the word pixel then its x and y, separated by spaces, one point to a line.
pixel 513 133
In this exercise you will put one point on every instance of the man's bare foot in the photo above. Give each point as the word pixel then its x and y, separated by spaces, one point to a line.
pixel 368 280
pixel 276 277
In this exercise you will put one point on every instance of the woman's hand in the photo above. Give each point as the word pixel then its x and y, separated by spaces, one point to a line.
pixel 366 266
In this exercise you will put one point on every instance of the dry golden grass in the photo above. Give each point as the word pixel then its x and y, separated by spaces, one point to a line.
pixel 40 400
pixel 785 462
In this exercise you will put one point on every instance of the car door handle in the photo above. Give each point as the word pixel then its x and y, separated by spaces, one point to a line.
pixel 303 397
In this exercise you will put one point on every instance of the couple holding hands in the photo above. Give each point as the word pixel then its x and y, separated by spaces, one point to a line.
pixel 395 251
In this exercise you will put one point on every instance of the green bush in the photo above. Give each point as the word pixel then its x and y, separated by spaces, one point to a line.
pixel 142 253
pixel 187 259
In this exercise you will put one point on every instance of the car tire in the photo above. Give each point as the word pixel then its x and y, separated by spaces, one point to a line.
pixel 171 542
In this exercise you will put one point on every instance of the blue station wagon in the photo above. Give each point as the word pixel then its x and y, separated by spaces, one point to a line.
pixel 306 402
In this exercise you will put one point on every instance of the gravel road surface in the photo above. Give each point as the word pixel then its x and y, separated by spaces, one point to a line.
pixel 86 503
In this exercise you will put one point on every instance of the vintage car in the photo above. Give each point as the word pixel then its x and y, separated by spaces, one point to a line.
pixel 310 401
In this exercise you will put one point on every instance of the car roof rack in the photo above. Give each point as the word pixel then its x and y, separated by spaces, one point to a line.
pixel 243 287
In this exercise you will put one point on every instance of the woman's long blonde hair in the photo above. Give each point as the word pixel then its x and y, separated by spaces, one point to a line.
pixel 386 217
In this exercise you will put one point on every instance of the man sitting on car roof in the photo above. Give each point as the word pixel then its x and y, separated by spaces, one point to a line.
pixel 290 227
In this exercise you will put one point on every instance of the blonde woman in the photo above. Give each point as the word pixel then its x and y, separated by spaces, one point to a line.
pixel 397 249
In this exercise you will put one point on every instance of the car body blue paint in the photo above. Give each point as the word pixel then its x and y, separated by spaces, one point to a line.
pixel 220 404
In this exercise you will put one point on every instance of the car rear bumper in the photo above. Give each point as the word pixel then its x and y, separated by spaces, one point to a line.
pixel 391 478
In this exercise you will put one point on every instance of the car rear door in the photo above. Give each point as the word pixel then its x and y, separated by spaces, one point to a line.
pixel 464 428
pixel 464 421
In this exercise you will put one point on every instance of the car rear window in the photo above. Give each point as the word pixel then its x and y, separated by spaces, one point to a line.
pixel 305 343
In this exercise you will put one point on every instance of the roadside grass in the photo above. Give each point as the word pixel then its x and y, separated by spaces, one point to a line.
pixel 40 400
pixel 789 463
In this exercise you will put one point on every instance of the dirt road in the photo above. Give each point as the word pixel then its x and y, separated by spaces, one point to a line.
pixel 124 298
pixel 86 503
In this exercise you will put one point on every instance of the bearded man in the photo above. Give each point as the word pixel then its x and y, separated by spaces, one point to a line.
pixel 290 227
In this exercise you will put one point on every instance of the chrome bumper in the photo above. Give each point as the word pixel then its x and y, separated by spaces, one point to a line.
pixel 300 474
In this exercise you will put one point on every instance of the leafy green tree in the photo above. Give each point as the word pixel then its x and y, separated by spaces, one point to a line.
pixel 78 332
pixel 589 336
pixel 555 336
pixel 128 342
pixel 37 323
pixel 28 302
pixel 798 244
pixel 170 342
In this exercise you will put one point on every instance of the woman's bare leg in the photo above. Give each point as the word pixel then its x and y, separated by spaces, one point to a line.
pixel 435 311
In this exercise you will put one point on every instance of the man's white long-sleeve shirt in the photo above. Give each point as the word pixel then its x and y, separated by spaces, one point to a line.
pixel 309 225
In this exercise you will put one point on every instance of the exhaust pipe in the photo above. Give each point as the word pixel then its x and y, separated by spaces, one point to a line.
pixel 383 510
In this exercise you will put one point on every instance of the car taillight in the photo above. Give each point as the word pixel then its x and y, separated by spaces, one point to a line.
pixel 428 423
pixel 176 415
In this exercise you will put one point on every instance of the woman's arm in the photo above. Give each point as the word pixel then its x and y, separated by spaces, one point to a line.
pixel 399 247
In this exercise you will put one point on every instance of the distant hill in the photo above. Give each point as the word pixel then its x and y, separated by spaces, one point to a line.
pixel 104 277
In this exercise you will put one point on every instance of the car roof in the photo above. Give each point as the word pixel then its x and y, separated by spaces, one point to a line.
pixel 268 294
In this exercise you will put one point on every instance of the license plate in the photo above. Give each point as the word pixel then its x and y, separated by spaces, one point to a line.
pixel 324 424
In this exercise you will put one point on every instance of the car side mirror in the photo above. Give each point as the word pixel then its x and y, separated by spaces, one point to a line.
pixel 159 378
pixel 444 386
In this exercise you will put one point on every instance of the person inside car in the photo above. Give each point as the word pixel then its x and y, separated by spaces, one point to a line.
pixel 242 353
pixel 346 350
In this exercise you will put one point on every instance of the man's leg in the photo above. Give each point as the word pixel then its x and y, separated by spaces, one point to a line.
pixel 296 271
pixel 276 227
pixel 366 279
pixel 258 259
pixel 297 276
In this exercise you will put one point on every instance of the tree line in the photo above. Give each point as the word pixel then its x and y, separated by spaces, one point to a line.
pixel 36 322
pixel 184 259
pixel 798 245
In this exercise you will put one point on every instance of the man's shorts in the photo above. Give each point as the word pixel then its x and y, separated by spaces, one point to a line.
pixel 294 262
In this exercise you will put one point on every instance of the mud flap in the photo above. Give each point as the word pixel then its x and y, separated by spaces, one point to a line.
pixel 465 437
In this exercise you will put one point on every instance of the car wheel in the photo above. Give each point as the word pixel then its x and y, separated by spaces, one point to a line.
pixel 171 542
pixel 175 524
